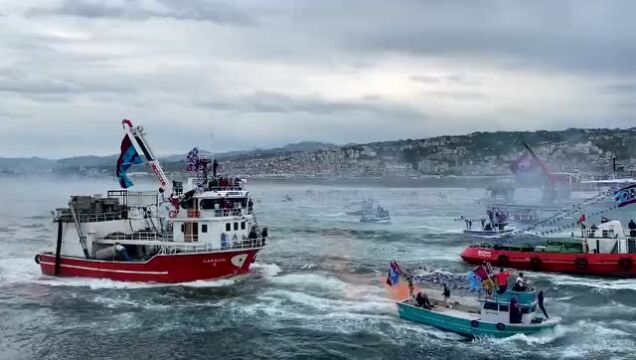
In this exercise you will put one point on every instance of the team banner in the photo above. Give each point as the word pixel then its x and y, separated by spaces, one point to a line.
pixel 625 196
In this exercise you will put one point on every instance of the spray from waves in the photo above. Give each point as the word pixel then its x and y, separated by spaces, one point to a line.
pixel 268 270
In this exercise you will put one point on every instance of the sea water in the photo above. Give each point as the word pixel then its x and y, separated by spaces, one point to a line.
pixel 314 292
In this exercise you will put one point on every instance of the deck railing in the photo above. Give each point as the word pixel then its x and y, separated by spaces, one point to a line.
pixel 173 248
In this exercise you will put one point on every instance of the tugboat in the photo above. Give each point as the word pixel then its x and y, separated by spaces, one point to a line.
pixel 605 250
pixel 205 229
pixel 492 314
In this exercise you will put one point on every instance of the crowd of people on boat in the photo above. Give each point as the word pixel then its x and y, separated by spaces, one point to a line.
pixel 224 183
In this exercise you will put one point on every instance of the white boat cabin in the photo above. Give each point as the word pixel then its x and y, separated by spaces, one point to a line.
pixel 607 238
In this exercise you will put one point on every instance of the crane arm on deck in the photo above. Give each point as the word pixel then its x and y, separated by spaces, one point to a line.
pixel 542 165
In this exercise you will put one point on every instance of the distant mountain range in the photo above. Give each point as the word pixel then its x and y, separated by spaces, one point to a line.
pixel 24 164
pixel 479 153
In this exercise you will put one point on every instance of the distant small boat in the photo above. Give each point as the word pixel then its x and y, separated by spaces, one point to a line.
pixel 376 214
pixel 287 198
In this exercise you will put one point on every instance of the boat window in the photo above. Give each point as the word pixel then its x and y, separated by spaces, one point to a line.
pixel 210 204
pixel 503 308
pixel 228 226
pixel 183 228
pixel 235 226
pixel 204 228
pixel 490 306
pixel 242 225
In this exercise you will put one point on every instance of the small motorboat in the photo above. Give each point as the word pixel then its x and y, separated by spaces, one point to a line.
pixel 491 313
pixel 494 316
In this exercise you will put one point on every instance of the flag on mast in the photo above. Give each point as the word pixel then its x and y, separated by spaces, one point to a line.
pixel 127 158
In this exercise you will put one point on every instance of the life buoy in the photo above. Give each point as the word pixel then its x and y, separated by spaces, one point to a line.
pixel 625 264
pixel 197 213
pixel 501 327
pixel 474 323
pixel 502 260
pixel 173 214
pixel 581 263
pixel 535 263
pixel 37 259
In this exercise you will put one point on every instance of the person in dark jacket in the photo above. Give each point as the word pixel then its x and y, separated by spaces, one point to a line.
pixel 540 301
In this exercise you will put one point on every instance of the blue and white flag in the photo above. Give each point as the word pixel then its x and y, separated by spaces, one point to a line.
pixel 626 195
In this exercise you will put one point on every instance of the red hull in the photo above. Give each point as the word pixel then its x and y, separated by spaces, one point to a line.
pixel 620 265
pixel 162 268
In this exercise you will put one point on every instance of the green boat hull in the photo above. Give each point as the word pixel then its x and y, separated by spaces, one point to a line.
pixel 470 326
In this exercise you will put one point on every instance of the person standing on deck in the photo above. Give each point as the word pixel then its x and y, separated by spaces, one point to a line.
pixel 540 301
pixel 632 228
pixel 215 166
pixel 446 294
pixel 502 280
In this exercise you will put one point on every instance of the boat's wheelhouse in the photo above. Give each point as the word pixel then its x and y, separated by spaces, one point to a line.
pixel 497 309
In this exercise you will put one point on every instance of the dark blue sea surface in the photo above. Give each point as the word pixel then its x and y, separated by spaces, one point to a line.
pixel 314 292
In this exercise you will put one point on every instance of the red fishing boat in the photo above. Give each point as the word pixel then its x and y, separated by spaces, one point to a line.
pixel 204 229
pixel 605 250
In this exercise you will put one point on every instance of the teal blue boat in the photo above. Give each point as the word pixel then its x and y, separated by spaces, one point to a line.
pixel 491 318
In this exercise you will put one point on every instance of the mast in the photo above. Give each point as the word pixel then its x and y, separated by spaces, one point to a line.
pixel 137 133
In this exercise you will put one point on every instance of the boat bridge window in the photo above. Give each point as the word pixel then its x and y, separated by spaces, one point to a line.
pixel 228 226
pixel 204 228
pixel 236 226
pixel 242 225
pixel 225 203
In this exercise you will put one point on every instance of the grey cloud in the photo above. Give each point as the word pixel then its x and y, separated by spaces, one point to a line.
pixel 196 10
pixel 457 95
pixel 47 89
pixel 627 88
pixel 269 102
pixel 448 79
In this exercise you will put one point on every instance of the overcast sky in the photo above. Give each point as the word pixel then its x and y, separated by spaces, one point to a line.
pixel 267 73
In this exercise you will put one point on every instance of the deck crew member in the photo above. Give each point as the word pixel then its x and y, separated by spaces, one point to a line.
pixel 502 280
pixel 215 166
pixel 422 301
pixel 446 294
pixel 632 228
pixel 520 284
pixel 540 301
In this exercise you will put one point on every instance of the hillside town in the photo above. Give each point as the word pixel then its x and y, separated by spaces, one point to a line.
pixel 585 152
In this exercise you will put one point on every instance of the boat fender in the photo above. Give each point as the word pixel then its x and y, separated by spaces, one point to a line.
pixel 581 263
pixel 474 323
pixel 535 263
pixel 37 259
pixel 501 327
pixel 173 214
pixel 502 260
pixel 625 264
